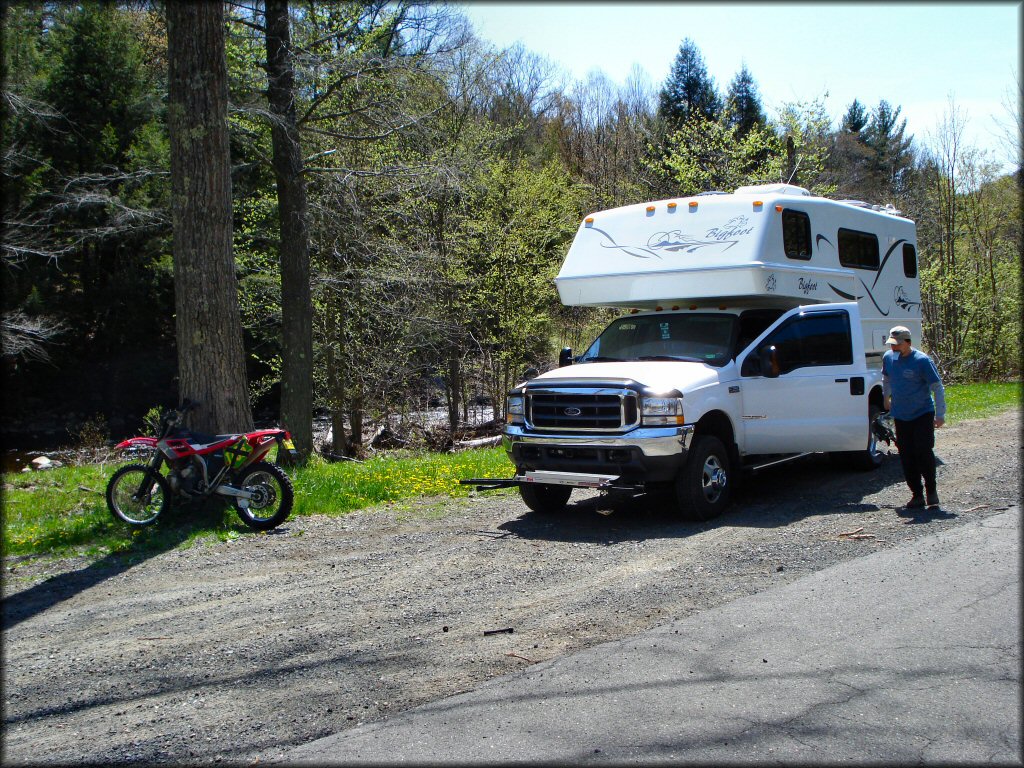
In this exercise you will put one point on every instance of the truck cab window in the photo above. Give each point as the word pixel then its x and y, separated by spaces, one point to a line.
pixel 808 340
pixel 796 234
pixel 704 337
pixel 753 322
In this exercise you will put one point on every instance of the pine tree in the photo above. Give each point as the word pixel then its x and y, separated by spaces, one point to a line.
pixel 743 103
pixel 892 151
pixel 855 119
pixel 689 90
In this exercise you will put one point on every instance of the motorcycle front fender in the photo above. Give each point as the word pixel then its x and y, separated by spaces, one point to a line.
pixel 137 442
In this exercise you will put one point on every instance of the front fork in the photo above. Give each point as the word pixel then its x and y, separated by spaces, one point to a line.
pixel 146 486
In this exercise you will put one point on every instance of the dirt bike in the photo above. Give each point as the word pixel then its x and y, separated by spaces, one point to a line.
pixel 204 466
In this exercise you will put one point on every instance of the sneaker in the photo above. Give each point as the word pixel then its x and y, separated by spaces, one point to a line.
pixel 916 502
pixel 933 499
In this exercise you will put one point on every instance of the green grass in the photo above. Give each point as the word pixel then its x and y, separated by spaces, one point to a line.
pixel 62 511
pixel 347 486
pixel 976 401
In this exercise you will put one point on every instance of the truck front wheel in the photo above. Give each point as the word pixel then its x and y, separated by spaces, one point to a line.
pixel 702 488
pixel 545 499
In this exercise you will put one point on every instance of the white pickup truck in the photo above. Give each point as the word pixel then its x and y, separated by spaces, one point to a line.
pixel 755 333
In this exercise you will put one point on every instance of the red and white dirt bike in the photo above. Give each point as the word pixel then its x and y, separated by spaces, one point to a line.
pixel 202 466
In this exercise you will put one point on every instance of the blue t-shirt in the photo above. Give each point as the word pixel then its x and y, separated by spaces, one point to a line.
pixel 910 380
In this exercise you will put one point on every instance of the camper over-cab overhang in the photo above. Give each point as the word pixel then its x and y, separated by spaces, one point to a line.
pixel 768 245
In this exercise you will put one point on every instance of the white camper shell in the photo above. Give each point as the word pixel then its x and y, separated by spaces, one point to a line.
pixel 768 245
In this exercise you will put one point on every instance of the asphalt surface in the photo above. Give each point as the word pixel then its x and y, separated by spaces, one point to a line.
pixel 907 655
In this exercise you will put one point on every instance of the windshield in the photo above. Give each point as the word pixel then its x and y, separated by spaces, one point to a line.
pixel 699 337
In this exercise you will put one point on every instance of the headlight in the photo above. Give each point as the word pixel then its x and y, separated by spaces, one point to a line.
pixel 515 409
pixel 662 410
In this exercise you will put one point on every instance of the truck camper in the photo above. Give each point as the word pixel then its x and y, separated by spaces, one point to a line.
pixel 768 246
pixel 755 330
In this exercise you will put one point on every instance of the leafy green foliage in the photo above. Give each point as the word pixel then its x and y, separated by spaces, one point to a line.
pixel 444 180
pixel 704 156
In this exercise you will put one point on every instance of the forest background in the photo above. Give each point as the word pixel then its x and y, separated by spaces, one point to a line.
pixel 443 181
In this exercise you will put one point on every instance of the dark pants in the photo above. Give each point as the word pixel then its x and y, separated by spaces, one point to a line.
pixel 915 440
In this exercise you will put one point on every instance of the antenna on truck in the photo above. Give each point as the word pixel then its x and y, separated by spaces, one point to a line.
pixel 795 169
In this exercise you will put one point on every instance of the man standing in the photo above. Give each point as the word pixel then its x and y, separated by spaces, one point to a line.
pixel 909 380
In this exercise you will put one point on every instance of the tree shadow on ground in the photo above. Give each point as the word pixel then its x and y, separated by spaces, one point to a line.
pixel 179 524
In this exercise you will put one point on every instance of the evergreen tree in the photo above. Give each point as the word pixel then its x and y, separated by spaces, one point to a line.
pixel 892 157
pixel 689 90
pixel 855 119
pixel 743 103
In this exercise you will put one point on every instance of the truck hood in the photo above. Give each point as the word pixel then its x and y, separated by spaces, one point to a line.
pixel 658 375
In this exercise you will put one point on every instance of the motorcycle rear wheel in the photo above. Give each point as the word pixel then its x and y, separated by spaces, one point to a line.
pixel 137 495
pixel 273 496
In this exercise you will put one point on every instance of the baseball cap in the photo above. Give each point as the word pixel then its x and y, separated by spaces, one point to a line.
pixel 898 334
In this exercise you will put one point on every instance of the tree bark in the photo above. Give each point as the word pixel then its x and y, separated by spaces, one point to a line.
pixel 211 361
pixel 296 301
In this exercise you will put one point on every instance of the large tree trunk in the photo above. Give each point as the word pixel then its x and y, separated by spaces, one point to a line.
pixel 296 301
pixel 211 362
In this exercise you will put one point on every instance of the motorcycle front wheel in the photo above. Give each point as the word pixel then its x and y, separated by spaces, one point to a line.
pixel 137 495
pixel 272 496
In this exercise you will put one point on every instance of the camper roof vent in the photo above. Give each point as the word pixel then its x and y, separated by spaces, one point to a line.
pixel 766 189
pixel 887 208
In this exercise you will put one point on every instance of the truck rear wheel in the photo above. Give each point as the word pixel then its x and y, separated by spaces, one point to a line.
pixel 867 459
pixel 702 488
pixel 545 499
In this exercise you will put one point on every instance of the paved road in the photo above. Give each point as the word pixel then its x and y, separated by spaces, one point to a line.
pixel 908 655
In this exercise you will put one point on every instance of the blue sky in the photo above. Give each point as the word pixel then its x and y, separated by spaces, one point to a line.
pixel 913 55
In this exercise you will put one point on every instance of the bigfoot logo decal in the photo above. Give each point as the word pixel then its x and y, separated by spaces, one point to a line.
pixel 718 239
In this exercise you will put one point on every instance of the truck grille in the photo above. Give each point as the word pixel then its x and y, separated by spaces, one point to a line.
pixel 584 410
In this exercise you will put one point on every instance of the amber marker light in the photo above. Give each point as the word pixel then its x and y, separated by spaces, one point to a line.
pixel 778 208
pixel 650 209
pixel 671 206
pixel 693 203
pixel 589 220
pixel 758 203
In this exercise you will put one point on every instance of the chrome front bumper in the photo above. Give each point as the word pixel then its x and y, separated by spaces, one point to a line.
pixel 653 442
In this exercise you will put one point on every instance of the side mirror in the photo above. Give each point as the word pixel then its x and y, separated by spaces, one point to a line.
pixel 531 373
pixel 769 358
pixel 565 357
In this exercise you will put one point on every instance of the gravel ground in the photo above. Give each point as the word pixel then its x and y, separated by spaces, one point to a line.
pixel 233 652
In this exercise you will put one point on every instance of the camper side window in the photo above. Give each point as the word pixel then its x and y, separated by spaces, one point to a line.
pixel 858 249
pixel 796 234
pixel 909 260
